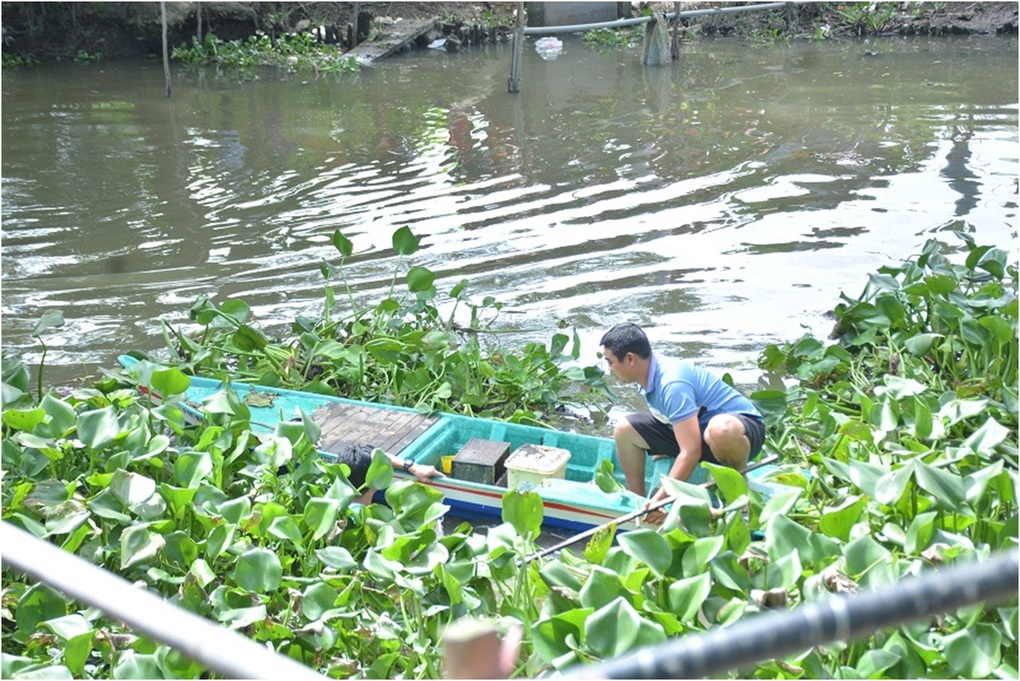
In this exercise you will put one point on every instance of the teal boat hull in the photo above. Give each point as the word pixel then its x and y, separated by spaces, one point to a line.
pixel 572 503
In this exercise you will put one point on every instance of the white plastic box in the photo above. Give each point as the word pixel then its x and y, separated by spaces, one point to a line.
pixel 534 464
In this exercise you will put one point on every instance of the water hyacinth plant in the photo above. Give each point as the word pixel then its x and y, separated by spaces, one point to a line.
pixel 408 349
pixel 900 433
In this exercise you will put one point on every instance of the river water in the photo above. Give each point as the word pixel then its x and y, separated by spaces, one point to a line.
pixel 723 203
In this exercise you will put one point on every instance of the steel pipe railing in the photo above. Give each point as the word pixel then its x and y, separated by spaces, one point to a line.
pixel 217 648
pixel 623 23
pixel 840 618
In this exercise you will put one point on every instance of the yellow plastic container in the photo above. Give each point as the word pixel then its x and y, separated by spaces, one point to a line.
pixel 534 464
pixel 447 464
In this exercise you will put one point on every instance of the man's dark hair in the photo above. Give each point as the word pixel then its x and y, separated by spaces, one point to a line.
pixel 624 338
pixel 358 458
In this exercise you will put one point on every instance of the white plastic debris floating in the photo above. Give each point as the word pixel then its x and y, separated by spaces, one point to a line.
pixel 549 47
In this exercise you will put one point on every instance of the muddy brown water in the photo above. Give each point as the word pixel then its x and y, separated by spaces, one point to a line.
pixel 724 202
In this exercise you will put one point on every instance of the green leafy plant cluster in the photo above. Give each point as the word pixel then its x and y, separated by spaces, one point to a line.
pixel 293 51
pixel 16 60
pixel 901 438
pixel 257 533
pixel 407 349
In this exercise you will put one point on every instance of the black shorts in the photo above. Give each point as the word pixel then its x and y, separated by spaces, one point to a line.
pixel 662 440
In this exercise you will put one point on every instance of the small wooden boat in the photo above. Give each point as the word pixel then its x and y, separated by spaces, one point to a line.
pixel 473 489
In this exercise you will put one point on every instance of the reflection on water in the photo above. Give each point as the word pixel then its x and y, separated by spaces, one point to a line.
pixel 723 202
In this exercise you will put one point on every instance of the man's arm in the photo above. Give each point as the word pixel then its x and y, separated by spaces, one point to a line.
pixel 420 472
pixel 688 436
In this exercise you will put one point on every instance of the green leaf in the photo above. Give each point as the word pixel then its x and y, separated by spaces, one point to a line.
pixel 920 344
pixel 236 308
pixel 342 244
pixel 24 419
pixel 131 488
pixel 598 546
pixel 783 536
pixel 686 596
pixel 940 284
pixel 987 437
pixel 552 636
pixel 863 553
pixel 453 586
pixel 649 547
pixel 169 382
pixel 697 555
pixel 98 428
pixel 38 604
pixel 191 468
pixel 132 665
pixel 523 510
pixel 890 488
pixel 1000 328
pixel 248 339
pixel 838 521
pixel 274 452
pixel 258 571
pixel 380 471
pixel 617 628
pixel 898 387
pixel 945 487
pixel 138 545
pixel 604 478
pixel 286 528
pixel 219 540
pixel 53 671
pixel 920 532
pixel 419 279
pixel 320 516
pixel 49 319
pixel 77 652
pixel 728 480
pixel 923 422
pixel 874 663
pixel 68 626
pixel 602 588
pixel 404 242
pixel 336 558
pixel 180 550
pixel 974 653
pixel 62 417
pixel 317 599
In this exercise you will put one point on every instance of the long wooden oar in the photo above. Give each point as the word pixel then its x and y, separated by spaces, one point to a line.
pixel 772 458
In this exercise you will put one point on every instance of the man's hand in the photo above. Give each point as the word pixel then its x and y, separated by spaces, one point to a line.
pixel 655 517
pixel 423 473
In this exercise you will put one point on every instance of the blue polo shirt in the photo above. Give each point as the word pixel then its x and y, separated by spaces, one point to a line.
pixel 676 390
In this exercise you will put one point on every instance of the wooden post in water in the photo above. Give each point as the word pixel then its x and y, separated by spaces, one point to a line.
pixel 675 47
pixel 513 84
pixel 166 53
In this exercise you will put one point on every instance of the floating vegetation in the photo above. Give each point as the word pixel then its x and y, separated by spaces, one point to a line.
pixel 292 51
pixel 900 434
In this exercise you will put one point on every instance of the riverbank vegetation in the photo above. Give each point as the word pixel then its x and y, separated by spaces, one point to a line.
pixel 899 434
pixel 223 32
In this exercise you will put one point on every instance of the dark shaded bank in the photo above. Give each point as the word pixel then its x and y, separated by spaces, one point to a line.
pixel 51 31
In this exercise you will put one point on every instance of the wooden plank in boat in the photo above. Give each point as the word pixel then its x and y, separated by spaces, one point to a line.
pixel 389 429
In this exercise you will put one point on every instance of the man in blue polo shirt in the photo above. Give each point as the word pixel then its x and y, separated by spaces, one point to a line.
pixel 693 414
